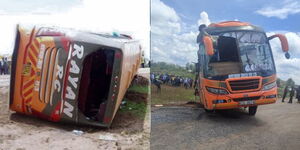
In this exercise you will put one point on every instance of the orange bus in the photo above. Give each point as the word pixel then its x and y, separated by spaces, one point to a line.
pixel 236 66
pixel 65 75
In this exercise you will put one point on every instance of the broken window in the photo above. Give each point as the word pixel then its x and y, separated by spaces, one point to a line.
pixel 238 52
pixel 95 83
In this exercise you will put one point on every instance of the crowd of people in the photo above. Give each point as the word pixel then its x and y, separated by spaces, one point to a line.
pixel 171 80
pixel 4 66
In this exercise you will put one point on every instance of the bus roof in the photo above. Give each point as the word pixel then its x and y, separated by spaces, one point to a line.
pixel 228 26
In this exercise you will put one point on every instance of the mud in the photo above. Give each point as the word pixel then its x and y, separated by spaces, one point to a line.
pixel 137 97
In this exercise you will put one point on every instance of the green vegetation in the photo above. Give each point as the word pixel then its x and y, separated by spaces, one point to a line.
pixel 163 67
pixel 135 108
pixel 171 95
pixel 139 89
pixel 135 101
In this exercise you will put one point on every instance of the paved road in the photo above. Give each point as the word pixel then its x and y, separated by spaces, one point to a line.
pixel 275 126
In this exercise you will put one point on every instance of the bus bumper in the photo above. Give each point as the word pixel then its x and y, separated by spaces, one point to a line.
pixel 231 101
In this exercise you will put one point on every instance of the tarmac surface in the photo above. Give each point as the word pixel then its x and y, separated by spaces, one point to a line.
pixel 275 127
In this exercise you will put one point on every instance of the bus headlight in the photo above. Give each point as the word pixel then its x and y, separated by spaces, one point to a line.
pixel 269 86
pixel 217 91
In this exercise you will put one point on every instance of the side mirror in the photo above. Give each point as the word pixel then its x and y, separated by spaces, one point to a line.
pixel 284 43
pixel 287 55
pixel 208 43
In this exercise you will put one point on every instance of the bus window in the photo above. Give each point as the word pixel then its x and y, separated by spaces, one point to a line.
pixel 228 50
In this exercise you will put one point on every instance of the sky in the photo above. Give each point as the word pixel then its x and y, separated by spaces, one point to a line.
pixel 129 17
pixel 174 28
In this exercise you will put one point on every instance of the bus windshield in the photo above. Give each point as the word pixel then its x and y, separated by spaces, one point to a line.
pixel 241 52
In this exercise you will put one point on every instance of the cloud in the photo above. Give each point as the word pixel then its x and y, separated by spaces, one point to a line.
pixel 204 19
pixel 164 19
pixel 288 7
pixel 169 43
pixel 178 48
pixel 91 15
pixel 287 68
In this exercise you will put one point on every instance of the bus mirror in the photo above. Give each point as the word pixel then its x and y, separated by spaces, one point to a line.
pixel 287 55
pixel 283 41
pixel 208 43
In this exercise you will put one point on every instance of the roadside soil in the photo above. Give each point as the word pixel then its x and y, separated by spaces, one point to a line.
pixel 20 132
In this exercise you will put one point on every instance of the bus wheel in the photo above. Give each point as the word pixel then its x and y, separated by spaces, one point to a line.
pixel 208 110
pixel 252 110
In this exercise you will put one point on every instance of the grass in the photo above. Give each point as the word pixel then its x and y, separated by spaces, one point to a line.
pixel 139 89
pixel 136 109
pixel 171 95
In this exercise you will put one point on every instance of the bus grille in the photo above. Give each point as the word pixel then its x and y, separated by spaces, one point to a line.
pixel 246 98
pixel 250 84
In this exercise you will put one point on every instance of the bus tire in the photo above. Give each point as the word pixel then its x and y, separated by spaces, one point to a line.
pixel 252 110
pixel 208 110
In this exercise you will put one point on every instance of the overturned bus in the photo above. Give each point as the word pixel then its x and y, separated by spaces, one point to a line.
pixel 71 76
pixel 236 67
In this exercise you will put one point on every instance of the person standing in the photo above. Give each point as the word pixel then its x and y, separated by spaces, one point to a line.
pixel 292 93
pixel 284 93
pixel 298 94
pixel 143 61
pixel 1 66
pixel 185 83
pixel 4 65
pixel 157 83
pixel 152 76
pixel 201 34
pixel 149 63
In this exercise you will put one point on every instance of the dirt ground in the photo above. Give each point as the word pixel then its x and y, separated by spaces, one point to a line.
pixel 275 127
pixel 19 132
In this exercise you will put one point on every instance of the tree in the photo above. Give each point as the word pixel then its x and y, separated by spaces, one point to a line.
pixel 187 66
pixel 290 82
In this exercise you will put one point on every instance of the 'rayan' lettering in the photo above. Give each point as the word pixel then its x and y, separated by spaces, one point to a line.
pixel 77 54
pixel 68 108
pixel 59 74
